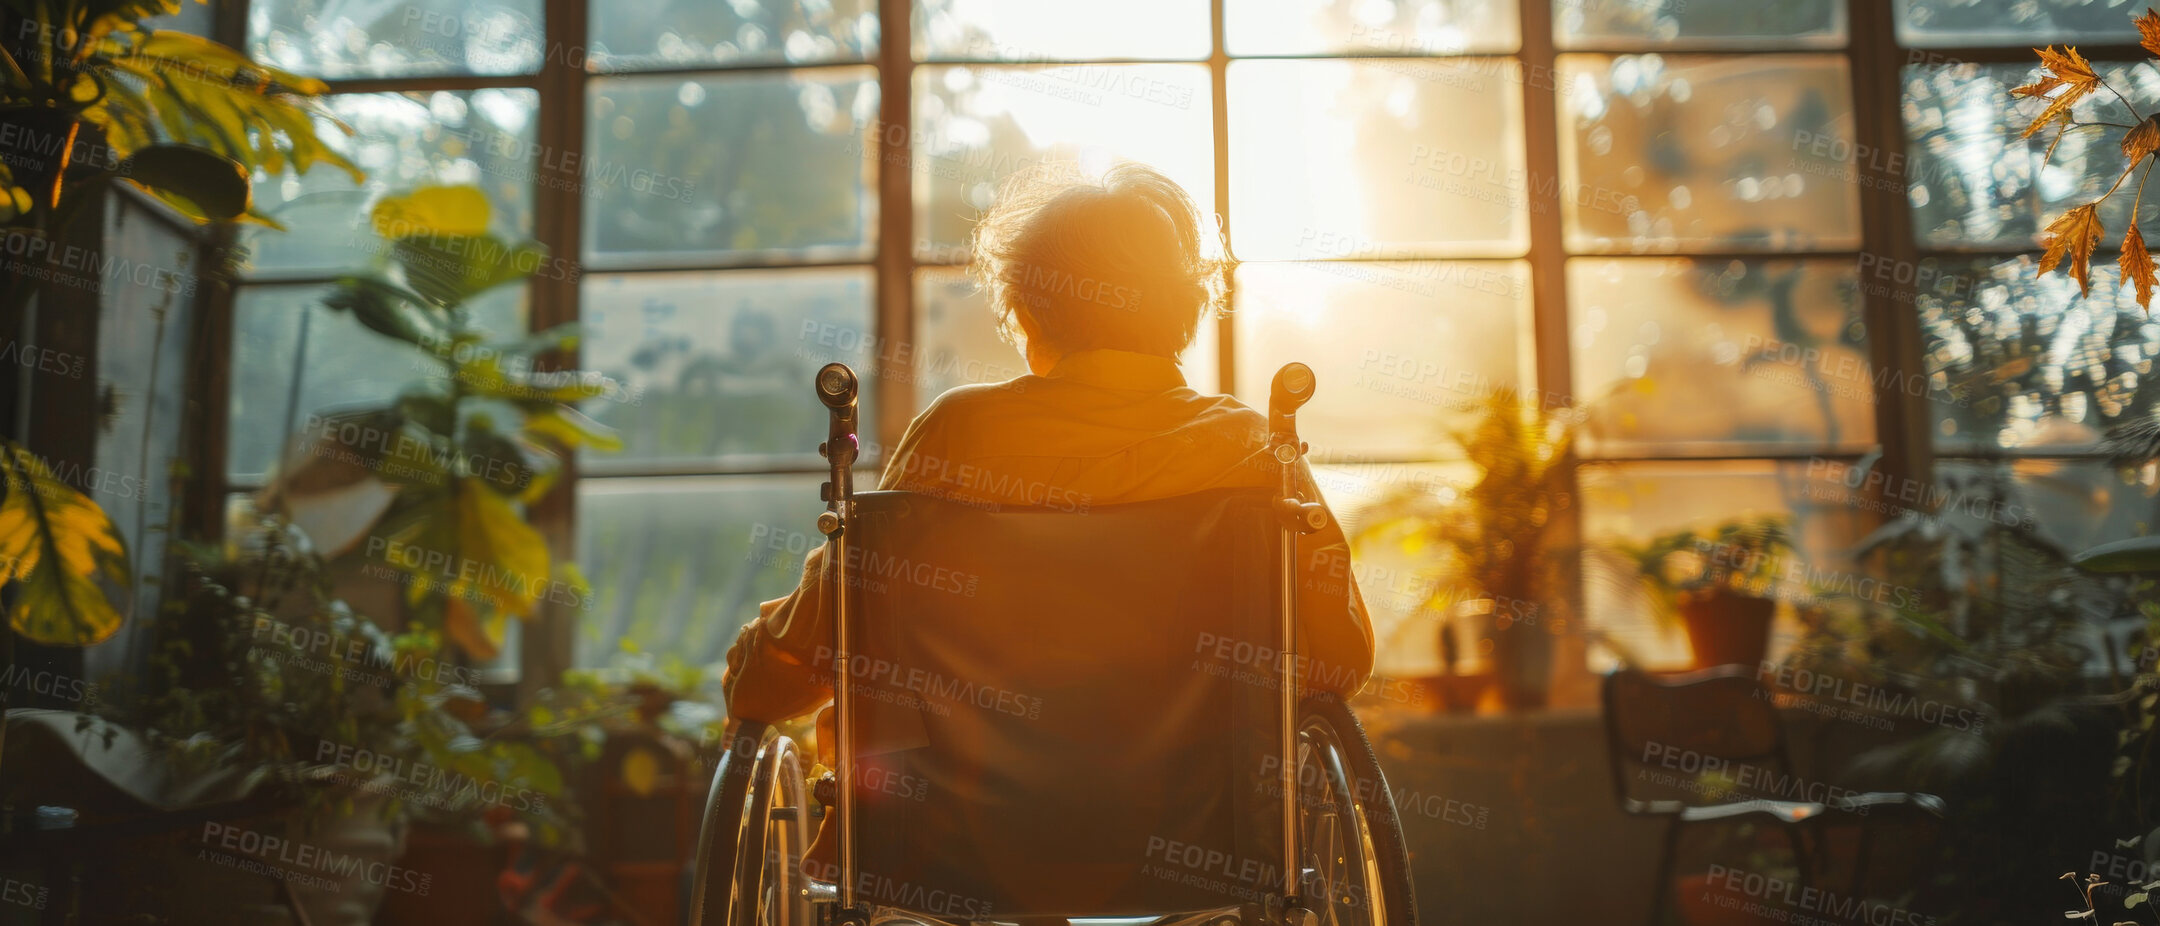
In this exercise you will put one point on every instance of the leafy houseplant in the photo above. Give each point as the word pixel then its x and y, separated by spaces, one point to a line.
pixel 463 453
pixel 1717 584
pixel 1980 666
pixel 181 116
pixel 265 684
pixel 1495 538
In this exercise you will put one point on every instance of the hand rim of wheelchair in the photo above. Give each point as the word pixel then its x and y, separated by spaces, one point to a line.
pixel 1366 880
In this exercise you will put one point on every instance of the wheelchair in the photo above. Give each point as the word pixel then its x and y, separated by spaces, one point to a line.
pixel 1178 777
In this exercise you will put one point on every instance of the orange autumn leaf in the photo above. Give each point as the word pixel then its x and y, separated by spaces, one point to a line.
pixel 2148 27
pixel 2068 72
pixel 2143 140
pixel 2137 266
pixel 2075 233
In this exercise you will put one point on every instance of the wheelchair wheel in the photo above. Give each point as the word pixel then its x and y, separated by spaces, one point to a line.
pixel 712 875
pixel 754 834
pixel 1356 867
pixel 768 886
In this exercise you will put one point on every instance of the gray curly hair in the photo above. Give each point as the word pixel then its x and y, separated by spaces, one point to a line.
pixel 1125 261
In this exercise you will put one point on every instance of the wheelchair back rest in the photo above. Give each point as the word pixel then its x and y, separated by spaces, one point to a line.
pixel 1065 713
pixel 1699 737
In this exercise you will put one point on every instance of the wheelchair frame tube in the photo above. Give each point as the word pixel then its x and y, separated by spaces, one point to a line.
pixel 1288 683
pixel 836 387
pixel 1293 386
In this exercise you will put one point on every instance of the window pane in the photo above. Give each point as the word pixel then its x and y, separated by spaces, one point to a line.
pixel 1409 27
pixel 975 126
pixel 678 565
pixel 718 366
pixel 1973 182
pixel 1635 502
pixel 1674 352
pixel 402 140
pixel 1401 349
pixel 959 343
pixel 343 365
pixel 1392 158
pixel 630 34
pixel 1031 30
pixel 729 168
pixel 2019 361
pixel 143 365
pixel 1987 22
pixel 1398 585
pixel 1719 151
pixel 1681 24
pixel 2079 504
pixel 337 38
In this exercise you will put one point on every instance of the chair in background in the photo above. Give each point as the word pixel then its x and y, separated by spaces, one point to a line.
pixel 1668 729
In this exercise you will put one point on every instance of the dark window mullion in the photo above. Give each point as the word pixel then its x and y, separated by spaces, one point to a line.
pixel 1886 231
pixel 1553 366
pixel 548 645
pixel 1219 90
pixel 892 387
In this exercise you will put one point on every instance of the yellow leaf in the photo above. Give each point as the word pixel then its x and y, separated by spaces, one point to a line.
pixel 640 771
pixel 2148 27
pixel 2075 233
pixel 2069 73
pixel 2137 266
pixel 63 551
pixel 510 558
pixel 470 631
pixel 2142 140
pixel 571 428
pixel 469 548
pixel 433 211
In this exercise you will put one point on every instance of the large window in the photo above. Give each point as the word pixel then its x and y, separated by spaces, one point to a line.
pixel 1677 214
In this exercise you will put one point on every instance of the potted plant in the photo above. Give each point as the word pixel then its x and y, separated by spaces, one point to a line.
pixel 1493 541
pixel 273 709
pixel 1717 584
pixel 432 490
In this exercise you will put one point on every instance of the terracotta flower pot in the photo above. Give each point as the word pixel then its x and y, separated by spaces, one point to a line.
pixel 1461 693
pixel 1724 628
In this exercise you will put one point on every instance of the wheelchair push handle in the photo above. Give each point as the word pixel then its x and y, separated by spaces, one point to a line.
pixel 1294 386
pixel 837 388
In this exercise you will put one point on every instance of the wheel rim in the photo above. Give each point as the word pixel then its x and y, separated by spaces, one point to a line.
pixel 1341 877
pixel 781 898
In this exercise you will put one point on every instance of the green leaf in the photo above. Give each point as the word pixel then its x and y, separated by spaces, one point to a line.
pixel 2138 554
pixel 451 269
pixel 385 308
pixel 202 93
pixel 58 544
pixel 496 460
pixel 205 185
